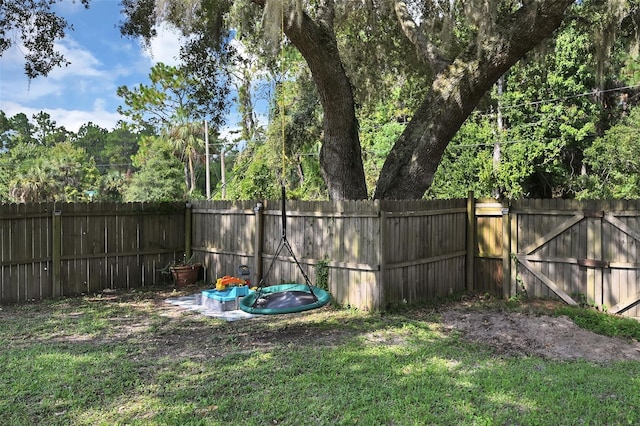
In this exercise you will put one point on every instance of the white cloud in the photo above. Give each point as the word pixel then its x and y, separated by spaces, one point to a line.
pixel 80 75
pixel 71 120
pixel 165 47
pixel 83 62
pixel 66 7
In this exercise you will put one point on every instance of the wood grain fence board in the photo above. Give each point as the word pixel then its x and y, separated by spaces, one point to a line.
pixel 628 301
pixel 623 235
pixel 5 249
pixel 634 282
pixel 627 288
pixel 488 249
pixel 549 283
pixel 549 222
pixel 378 252
pixel 543 239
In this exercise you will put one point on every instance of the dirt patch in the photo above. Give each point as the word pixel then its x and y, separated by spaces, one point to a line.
pixel 157 329
pixel 522 334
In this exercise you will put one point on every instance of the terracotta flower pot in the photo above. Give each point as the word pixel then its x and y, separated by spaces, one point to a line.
pixel 184 275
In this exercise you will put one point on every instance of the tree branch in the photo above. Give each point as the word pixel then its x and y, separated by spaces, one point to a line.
pixel 409 168
pixel 425 49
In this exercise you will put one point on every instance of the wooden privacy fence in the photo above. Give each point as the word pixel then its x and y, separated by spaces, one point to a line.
pixel 49 250
pixel 580 252
pixel 370 254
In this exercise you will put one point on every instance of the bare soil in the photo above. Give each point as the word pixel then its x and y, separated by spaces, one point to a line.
pixel 168 330
pixel 529 334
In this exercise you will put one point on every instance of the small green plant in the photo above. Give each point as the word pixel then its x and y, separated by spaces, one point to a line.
pixel 322 275
pixel 521 292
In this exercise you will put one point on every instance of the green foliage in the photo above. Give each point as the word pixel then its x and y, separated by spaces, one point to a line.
pixel 187 140
pixel 547 146
pixel 15 130
pixel 174 104
pixel 41 161
pixel 545 140
pixel 110 186
pixel 378 134
pixel 35 27
pixel 63 174
pixel 254 175
pixel 602 323
pixel 45 131
pixel 467 163
pixel 161 103
pixel 549 122
pixel 176 95
pixel 160 174
pixel 258 171
pixel 322 274
pixel 614 162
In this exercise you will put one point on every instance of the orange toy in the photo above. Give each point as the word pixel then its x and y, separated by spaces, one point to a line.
pixel 228 280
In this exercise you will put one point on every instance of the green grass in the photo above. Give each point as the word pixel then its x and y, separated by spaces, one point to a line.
pixel 131 360
pixel 607 325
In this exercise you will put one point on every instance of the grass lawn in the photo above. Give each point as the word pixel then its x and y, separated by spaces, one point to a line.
pixel 129 358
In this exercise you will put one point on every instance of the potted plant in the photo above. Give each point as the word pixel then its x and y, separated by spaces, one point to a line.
pixel 185 273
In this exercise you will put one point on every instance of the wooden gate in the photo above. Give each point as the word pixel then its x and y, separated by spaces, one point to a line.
pixel 581 252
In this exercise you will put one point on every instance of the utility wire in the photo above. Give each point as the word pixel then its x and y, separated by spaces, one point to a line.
pixel 560 99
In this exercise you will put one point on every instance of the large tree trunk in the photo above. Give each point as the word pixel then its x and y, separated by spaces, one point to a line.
pixel 340 155
pixel 410 166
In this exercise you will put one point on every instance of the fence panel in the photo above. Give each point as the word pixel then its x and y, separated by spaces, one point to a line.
pixel 488 247
pixel 580 252
pixel 340 235
pixel 25 257
pixel 424 249
pixel 223 236
pixel 101 245
pixel 376 253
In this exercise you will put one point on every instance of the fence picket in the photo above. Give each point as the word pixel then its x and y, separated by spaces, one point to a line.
pixel 378 253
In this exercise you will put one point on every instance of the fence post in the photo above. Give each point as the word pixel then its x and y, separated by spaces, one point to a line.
pixel 506 253
pixel 513 246
pixel 382 255
pixel 188 228
pixel 471 240
pixel 56 254
pixel 258 240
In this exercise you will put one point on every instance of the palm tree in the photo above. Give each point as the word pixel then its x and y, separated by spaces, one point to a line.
pixel 35 184
pixel 186 139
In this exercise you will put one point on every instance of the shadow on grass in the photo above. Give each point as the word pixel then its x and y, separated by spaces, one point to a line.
pixel 143 364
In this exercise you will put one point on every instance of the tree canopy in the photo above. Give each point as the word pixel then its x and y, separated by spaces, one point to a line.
pixel 397 83
pixel 456 50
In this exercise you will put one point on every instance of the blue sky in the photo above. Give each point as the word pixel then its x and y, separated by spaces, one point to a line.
pixel 101 61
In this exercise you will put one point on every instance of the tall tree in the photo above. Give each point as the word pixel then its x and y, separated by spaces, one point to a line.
pixel 484 40
pixel 46 132
pixel 459 49
pixel 58 173
pixel 186 139
pixel 614 162
pixel 159 174
pixel 15 130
